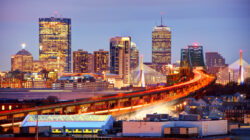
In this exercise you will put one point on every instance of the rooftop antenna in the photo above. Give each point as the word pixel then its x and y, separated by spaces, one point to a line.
pixel 55 13
pixel 161 13
pixel 61 17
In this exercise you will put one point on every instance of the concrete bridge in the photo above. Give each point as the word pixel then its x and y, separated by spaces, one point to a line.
pixel 113 104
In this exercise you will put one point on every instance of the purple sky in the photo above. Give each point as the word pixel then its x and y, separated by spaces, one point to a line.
pixel 218 25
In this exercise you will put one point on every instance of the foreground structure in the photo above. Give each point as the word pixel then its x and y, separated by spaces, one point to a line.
pixel 114 104
pixel 72 124
pixel 168 128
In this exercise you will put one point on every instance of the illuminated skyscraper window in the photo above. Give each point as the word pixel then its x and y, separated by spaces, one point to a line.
pixel 120 57
pixel 80 61
pixel 55 40
pixel 101 61
pixel 192 56
pixel 161 45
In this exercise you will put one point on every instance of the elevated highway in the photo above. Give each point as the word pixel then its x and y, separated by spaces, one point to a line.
pixel 114 104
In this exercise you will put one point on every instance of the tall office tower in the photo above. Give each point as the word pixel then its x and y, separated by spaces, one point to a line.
pixel 120 57
pixel 134 56
pixel 192 56
pixel 101 61
pixel 55 40
pixel 161 45
pixel 214 59
pixel 22 61
pixel 80 61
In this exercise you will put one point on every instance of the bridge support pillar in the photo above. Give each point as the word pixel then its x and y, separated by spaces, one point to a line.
pixel 12 121
pixel 131 103
pixel 151 99
pixel 118 104
pixel 78 109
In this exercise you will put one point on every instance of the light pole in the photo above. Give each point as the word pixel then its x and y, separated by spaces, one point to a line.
pixel 36 124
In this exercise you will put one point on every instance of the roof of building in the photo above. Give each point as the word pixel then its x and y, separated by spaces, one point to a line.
pixel 69 121
pixel 23 52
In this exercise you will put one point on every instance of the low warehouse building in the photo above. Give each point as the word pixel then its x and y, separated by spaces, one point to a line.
pixel 142 129
pixel 204 128
pixel 81 124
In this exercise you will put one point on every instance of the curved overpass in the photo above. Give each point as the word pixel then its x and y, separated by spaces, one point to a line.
pixel 114 104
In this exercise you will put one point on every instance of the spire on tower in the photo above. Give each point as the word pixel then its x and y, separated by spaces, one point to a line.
pixel 161 13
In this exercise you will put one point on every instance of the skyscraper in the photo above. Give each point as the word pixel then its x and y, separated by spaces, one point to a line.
pixel 134 56
pixel 161 45
pixel 90 63
pixel 120 57
pixel 55 40
pixel 214 59
pixel 192 56
pixel 80 61
pixel 101 61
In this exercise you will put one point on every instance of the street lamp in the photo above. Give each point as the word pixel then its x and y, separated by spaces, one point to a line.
pixel 36 124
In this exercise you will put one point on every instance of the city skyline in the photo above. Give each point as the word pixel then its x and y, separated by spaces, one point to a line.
pixel 225 26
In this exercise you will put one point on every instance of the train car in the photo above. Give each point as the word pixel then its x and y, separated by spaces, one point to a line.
pixel 56 131
pixel 77 131
pixel 87 131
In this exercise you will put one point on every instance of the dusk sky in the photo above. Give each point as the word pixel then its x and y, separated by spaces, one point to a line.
pixel 218 25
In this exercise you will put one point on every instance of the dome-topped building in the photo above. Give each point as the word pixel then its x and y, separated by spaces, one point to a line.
pixel 23 52
pixel 22 61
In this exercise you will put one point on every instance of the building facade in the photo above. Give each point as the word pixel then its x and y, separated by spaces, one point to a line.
pixel 161 45
pixel 120 57
pixel 22 61
pixel 55 40
pixel 192 56
pixel 90 63
pixel 134 56
pixel 214 59
pixel 80 61
pixel 101 61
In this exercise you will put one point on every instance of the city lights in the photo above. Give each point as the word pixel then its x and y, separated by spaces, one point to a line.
pixel 98 87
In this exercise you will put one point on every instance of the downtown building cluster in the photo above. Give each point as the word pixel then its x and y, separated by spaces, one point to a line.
pixel 116 65
pixel 56 57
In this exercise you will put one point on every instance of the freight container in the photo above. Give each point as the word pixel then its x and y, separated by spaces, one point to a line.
pixel 28 130
pixel 193 130
pixel 232 126
pixel 167 131
pixel 16 130
pixel 175 130
pixel 32 129
pixel 181 131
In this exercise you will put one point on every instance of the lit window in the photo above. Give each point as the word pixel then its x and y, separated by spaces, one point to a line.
pixel 3 107
pixel 10 107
